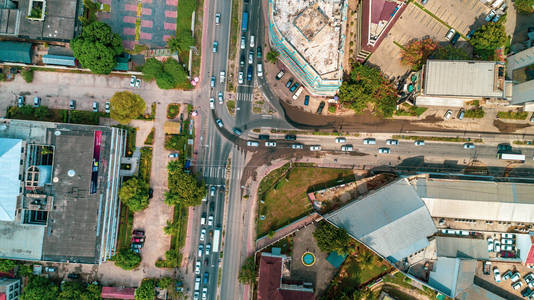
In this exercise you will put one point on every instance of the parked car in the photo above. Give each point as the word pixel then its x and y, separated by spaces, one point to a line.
pixel 72 104
pixel 507 242
pixel 529 279
pixel 486 267
pixel 289 83
pixel 384 150
pixel 340 140
pixel 212 103
pixel 217 18
pixel 517 285
pixel 315 148
pixel 150 193
pixel 198 264
pixel 447 115
pixel 173 155
pixel 258 52
pixel 95 106
pixel 507 235
pixel 496 274
pixel 50 269
pixel 490 16
pixel 490 245
pixel 504 148
pixel 138 83
pixel 497 246
pixel 297 146
pixel 369 141
pixel 346 148
pixel 138 239
pixel 263 136
pixel 220 96
pixel 392 142
pixel 461 114
pixel 290 137
pixel 107 107
pixel 132 81
pixel 419 143
pixel 455 38
pixel 36 102
pixel 506 254
pixel 270 144
pixel 515 277
pixel 20 101
pixel 215 46
pixel 320 108
pixel 237 131
pixel 294 87
pixel 138 232
pixel 469 146
pixel 532 118
pixel 210 220
pixel 200 250
pixel 73 276
pixel 280 75
pixel 450 34
pixel 253 144
pixel 307 101
pixel 241 77
pixel 203 234
pixel 507 275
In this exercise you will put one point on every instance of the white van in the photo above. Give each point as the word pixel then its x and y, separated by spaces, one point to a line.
pixel 260 70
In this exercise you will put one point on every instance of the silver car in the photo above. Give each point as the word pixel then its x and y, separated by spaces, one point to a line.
pixel 270 144
pixel 315 148
pixel 383 150
pixel 253 144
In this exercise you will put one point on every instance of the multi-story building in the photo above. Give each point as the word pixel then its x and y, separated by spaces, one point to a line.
pixel 9 288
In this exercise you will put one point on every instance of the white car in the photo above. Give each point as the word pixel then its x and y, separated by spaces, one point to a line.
pixel 107 107
pixel 217 18
pixel 208 248
pixel 241 77
pixel 384 150
pixel 243 42
pixel 490 245
pixel 138 83
pixel 419 143
pixel 197 267
pixel 346 148
pixel 507 242
pixel 250 57
pixel 203 235
pixel 220 96
pixel 132 81
pixel 497 246
pixel 517 285
pixel 219 123
pixel 210 220
pixel 515 277
pixel 204 293
pixel 270 144
pixel 450 34
pixel 196 296
pixel 315 148
pixel 369 141
pixel 507 236
pixel 447 115
pixel 469 146
pixel 200 250
pixel 212 103
pixel 297 146
pixel 222 75
pixel 529 279
pixel 392 142
pixel 340 140
pixel 251 41
pixel 496 274
pixel 253 144
pixel 507 248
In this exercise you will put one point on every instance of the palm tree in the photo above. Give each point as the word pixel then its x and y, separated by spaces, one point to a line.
pixel 272 56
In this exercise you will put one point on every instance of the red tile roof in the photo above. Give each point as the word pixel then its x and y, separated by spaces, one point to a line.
pixel 530 256
pixel 296 295
pixel 109 292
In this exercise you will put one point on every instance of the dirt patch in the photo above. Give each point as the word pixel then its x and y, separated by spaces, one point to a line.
pixel 508 127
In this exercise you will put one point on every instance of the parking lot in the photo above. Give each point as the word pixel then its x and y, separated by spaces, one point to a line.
pixel 504 287
pixel 462 15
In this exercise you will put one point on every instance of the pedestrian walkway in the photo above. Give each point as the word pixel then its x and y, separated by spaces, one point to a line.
pixel 133 162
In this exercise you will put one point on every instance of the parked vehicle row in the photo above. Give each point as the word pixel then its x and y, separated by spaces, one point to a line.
pixel 21 101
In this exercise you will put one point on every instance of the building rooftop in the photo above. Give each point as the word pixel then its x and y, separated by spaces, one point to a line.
pixel 464 78
pixel 462 247
pixel 117 293
pixel 15 52
pixel 393 221
pixel 10 155
pixel 452 276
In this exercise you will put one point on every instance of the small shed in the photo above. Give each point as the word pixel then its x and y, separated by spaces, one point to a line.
pixel 15 52
pixel 109 292
pixel 122 62
pixel 60 60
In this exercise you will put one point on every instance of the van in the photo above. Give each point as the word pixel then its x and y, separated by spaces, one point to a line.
pixel 197 283
pixel 260 70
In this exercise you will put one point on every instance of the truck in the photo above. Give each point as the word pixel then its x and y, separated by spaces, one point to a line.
pixel 244 22
pixel 512 156
pixel 216 239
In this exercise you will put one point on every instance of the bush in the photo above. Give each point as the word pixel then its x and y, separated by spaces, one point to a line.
pixel 6 265
pixel 165 81
pixel 173 110
pixel 520 115
pixel 27 74
pixel 476 113
pixel 332 109
pixel 126 259
pixel 147 290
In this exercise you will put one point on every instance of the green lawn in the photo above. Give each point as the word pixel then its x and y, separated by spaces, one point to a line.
pixel 286 196
pixel 145 164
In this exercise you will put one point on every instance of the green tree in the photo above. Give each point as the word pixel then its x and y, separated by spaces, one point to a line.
pixel 24 270
pixel 27 75
pixel 6 265
pixel 247 274
pixel 450 52
pixel 172 67
pixel 184 189
pixel 39 288
pixel 71 290
pixel 330 238
pixel 416 52
pixel 272 56
pixel 92 292
pixel 524 6
pixel 166 283
pixel 147 290
pixel 97 47
pixel 89 12
pixel 126 259
pixel 152 69
pixel 165 81
pixel 126 106
pixel 182 42
pixel 134 194
pixel 487 39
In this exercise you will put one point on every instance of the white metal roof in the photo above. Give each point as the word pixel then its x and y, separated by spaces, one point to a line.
pixel 523 92
pixel 10 154
pixel 461 78
pixel 440 101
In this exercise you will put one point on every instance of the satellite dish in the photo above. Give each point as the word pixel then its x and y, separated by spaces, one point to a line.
pixel 55 180
pixel 57 132
pixel 71 173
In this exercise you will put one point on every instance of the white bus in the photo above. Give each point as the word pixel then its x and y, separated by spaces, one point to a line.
pixel 216 240
pixel 297 93
pixel 510 156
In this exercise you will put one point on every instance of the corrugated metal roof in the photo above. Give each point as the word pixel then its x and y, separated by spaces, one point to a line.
pixel 49 59
pixel 462 247
pixel 392 221
pixel 10 154
pixel 439 101
pixel 444 275
pixel 519 60
pixel 461 78
pixel 523 92
pixel 15 52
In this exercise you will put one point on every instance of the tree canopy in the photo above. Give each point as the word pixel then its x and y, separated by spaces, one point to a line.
pixel 524 6
pixel 168 75
pixel 487 39
pixel 134 194
pixel 247 274
pixel 79 290
pixel 147 290
pixel 7 265
pixel 272 56
pixel 39 288
pixel 126 259
pixel 184 189
pixel 152 69
pixel 181 42
pixel 416 52
pixel 366 85
pixel 126 106
pixel 330 238
pixel 97 47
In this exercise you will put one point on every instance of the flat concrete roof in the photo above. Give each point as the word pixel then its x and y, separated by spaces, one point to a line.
pixel 20 241
pixel 461 78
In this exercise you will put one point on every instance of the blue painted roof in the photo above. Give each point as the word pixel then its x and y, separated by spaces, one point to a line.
pixel 335 259
pixel 50 59
pixel 10 154
pixel 15 52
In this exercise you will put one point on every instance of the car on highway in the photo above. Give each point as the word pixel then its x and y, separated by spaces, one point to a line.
pixel 222 76
pixel 203 234
pixel 251 57
pixel 259 68
pixel 212 190
pixel 252 40
pixel 197 267
pixel 204 293
pixel 208 249
pixel 419 143
pixel 107 107
pixel 212 103
pixel 132 81
pixel 37 102
pixel 384 150
pixel 173 155
pixel 280 75
pixel 270 144
pixel 200 250
pixel 253 144
pixel 197 283
pixel 347 148
pixel 496 274
pixel 212 81
pixel 249 73
pixel 217 18
pixel 258 52
pixel 95 106
pixel 294 87
pixel 210 220
pixel 447 115
pixel 20 101
pixel 290 137
pixel 315 148
pixel 72 104
pixel 469 146
pixel 215 46
pixel 242 61
pixel 340 140
pixel 289 83
pixel 219 123
pixel 243 42
pixel 237 131
pixel 297 146
pixel 392 142
pixel 241 78
pixel 220 96
pixel 369 141
pixel 206 278
pixel 306 100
